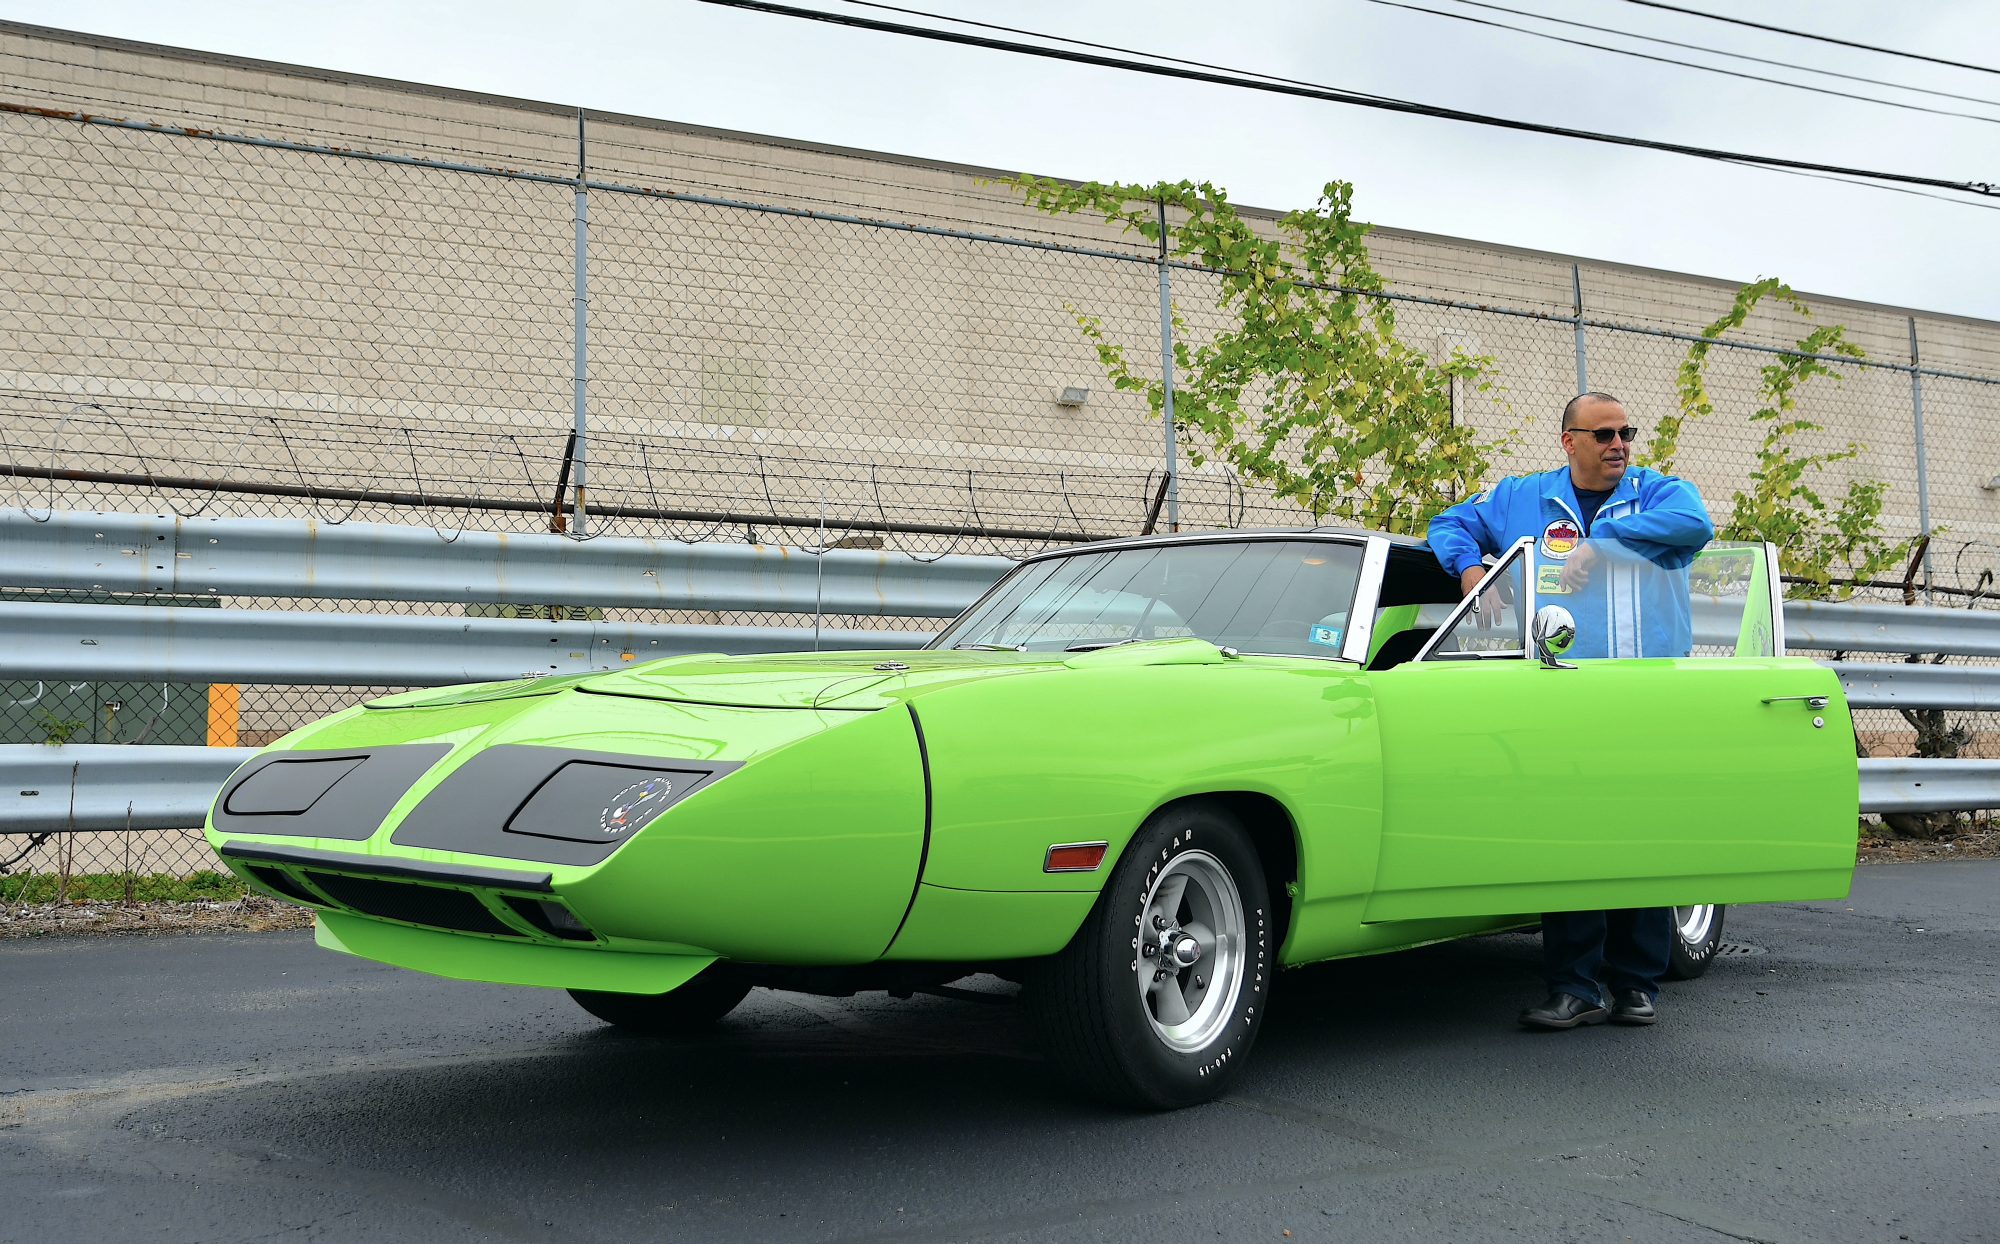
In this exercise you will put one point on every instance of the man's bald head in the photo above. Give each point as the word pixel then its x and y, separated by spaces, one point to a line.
pixel 1597 440
pixel 1575 405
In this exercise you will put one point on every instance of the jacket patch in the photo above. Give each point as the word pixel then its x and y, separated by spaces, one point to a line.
pixel 1559 539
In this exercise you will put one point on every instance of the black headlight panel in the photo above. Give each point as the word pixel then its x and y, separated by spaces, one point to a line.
pixel 551 804
pixel 321 794
pixel 586 801
pixel 288 787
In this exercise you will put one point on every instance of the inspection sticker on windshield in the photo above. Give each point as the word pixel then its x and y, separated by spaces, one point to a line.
pixel 1549 581
pixel 1328 635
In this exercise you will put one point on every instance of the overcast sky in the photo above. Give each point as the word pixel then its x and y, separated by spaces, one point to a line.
pixel 690 62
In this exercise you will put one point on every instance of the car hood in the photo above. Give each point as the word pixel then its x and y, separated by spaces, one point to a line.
pixel 854 681
pixel 840 680
pixel 868 680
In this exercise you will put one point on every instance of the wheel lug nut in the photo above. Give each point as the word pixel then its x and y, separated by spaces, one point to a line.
pixel 1159 922
pixel 1159 975
pixel 1149 950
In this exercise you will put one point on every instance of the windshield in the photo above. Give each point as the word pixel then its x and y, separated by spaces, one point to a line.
pixel 1276 597
pixel 1624 599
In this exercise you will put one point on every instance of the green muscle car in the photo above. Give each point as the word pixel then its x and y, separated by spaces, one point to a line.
pixel 1138 777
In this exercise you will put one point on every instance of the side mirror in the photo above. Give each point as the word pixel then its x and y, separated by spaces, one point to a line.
pixel 1554 630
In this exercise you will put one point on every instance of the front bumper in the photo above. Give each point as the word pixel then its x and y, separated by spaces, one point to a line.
pixel 505 963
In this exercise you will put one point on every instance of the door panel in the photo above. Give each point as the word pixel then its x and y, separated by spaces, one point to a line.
pixel 1510 786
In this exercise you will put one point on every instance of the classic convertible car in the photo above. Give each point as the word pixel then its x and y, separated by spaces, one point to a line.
pixel 1138 777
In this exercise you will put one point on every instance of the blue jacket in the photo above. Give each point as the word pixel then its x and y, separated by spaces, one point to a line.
pixel 1648 531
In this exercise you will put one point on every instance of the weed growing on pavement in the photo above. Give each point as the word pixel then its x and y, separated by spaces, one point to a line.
pixel 32 888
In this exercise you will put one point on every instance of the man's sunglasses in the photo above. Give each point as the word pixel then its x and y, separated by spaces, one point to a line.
pixel 1604 435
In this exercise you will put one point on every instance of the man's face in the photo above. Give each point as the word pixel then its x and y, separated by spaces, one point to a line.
pixel 1592 465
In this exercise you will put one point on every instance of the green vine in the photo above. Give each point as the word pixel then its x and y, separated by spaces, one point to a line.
pixel 1307 390
pixel 1820 541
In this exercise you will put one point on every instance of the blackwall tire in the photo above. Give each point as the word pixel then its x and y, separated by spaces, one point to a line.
pixel 691 1009
pixel 1697 938
pixel 1157 999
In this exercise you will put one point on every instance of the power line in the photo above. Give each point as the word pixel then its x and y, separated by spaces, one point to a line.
pixel 1715 51
pixel 1807 34
pixel 1685 64
pixel 1102 47
pixel 1477 4
pixel 1342 96
pixel 1871 185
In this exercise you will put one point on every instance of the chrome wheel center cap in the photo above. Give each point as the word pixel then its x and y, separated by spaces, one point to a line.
pixel 1186 951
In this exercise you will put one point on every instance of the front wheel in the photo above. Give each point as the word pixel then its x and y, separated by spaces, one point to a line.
pixel 692 1008
pixel 1159 995
pixel 1697 938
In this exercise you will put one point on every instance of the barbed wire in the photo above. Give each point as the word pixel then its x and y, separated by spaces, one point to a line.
pixel 52 460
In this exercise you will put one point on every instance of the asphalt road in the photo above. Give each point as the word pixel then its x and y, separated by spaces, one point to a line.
pixel 1844 1085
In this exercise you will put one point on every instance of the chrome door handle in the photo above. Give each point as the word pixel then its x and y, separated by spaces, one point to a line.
pixel 1811 701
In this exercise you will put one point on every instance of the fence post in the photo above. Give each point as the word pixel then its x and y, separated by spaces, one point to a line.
pixel 1576 293
pixel 581 263
pixel 1923 462
pixel 1167 377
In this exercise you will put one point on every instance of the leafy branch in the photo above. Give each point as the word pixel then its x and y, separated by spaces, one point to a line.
pixel 1819 540
pixel 1307 390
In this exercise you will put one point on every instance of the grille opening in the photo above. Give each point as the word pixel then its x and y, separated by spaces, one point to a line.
pixel 282 884
pixel 551 918
pixel 415 904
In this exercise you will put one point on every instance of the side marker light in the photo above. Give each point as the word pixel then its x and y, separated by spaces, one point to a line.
pixel 1074 857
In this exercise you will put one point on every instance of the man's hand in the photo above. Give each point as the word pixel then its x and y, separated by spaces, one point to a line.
pixel 1468 580
pixel 1576 570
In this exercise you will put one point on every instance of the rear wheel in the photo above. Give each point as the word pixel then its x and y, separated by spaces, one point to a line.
pixel 1159 995
pixel 1697 937
pixel 692 1008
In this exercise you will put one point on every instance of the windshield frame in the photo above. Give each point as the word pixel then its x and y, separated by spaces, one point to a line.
pixel 1361 619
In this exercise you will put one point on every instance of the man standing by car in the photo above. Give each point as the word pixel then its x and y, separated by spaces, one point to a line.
pixel 1596 509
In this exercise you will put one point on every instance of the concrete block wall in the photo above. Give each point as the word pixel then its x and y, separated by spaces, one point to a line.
pixel 174 278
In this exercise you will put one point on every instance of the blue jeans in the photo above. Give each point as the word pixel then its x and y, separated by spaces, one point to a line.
pixel 1621 950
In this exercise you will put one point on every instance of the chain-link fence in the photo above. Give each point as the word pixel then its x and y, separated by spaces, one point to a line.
pixel 215 324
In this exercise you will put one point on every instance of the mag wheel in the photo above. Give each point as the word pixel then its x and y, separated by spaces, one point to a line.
pixel 1159 995
pixel 692 1008
pixel 1697 936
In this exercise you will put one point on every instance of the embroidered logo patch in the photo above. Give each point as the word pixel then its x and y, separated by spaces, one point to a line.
pixel 1560 538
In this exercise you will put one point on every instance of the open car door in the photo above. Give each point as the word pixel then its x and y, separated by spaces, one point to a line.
pixel 1513 784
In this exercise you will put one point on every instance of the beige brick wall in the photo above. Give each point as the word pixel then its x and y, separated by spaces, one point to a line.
pixel 244 308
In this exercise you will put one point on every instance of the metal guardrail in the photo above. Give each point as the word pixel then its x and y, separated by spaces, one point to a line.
pixel 91 786
pixel 1902 785
pixel 165 555
pixel 1879 684
pixel 1815 626
pixel 109 643
pixel 153 554
pixel 1823 627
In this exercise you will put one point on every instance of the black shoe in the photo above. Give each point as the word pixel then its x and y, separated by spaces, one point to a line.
pixel 1632 1006
pixel 1562 1010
